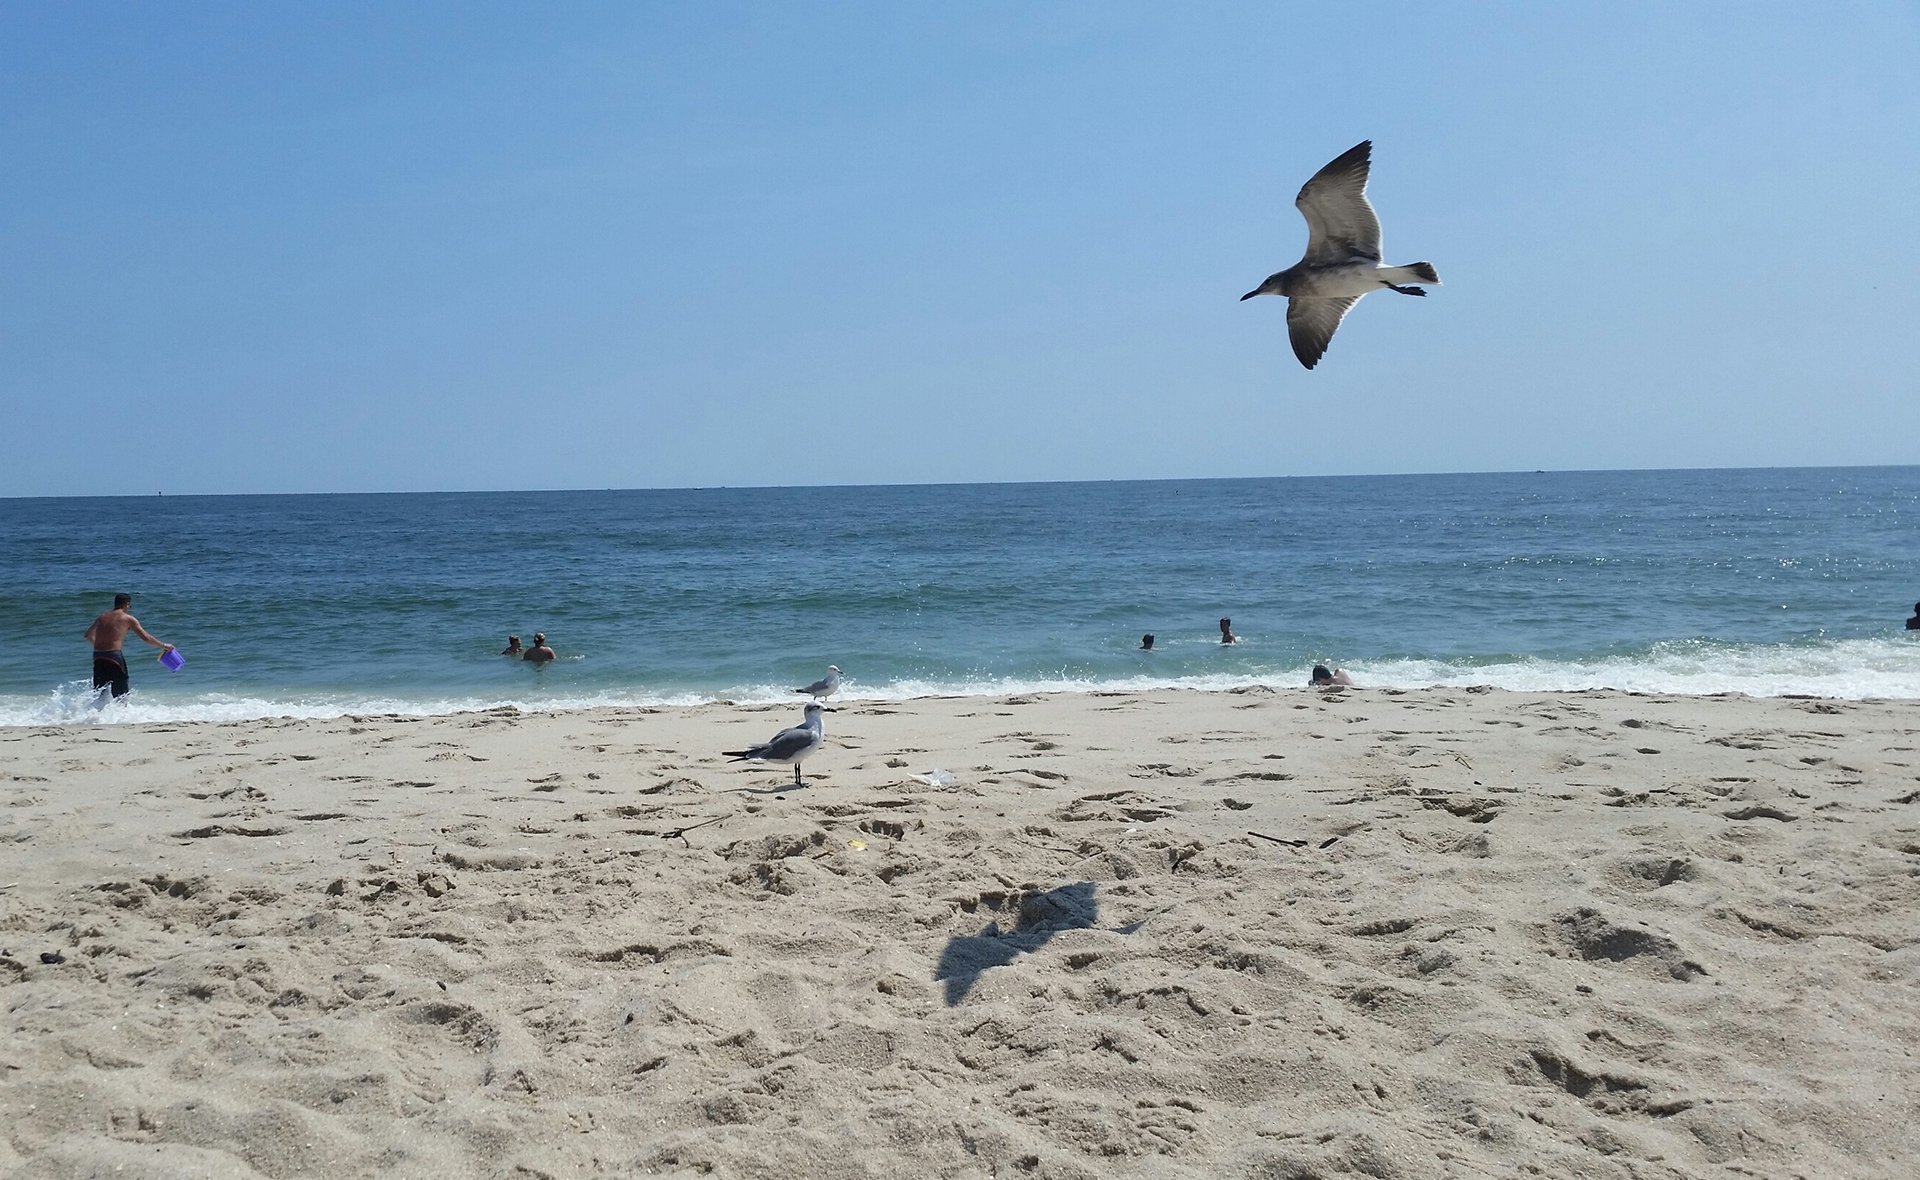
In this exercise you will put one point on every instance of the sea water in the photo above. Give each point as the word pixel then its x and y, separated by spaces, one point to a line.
pixel 1764 582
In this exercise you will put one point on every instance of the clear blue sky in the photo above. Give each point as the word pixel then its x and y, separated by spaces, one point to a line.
pixel 408 246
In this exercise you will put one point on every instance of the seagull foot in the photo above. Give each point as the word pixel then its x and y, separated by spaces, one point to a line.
pixel 1420 291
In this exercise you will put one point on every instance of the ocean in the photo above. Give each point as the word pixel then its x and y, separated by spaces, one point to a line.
pixel 1766 582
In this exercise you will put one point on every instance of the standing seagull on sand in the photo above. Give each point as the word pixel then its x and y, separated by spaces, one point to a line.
pixel 789 745
pixel 824 687
pixel 1342 262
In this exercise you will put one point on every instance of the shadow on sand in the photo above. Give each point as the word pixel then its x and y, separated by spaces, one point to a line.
pixel 1037 917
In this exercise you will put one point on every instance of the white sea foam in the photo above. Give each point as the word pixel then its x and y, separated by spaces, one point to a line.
pixel 75 704
pixel 1854 669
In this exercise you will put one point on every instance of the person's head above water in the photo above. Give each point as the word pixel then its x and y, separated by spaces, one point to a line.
pixel 1146 642
pixel 539 636
pixel 1322 674
pixel 123 601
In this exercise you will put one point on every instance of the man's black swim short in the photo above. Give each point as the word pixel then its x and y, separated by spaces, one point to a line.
pixel 110 670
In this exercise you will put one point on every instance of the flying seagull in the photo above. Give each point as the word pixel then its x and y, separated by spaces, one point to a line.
pixel 824 687
pixel 789 745
pixel 1342 262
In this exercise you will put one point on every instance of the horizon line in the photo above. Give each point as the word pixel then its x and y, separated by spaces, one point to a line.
pixel 963 483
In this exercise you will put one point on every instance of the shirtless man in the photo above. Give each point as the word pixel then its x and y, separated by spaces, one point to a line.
pixel 106 635
pixel 539 653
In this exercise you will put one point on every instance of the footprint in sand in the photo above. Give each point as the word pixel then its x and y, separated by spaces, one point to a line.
pixel 1164 770
pixel 1761 811
pixel 228 830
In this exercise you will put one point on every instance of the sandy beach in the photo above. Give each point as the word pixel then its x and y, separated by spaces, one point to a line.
pixel 1270 933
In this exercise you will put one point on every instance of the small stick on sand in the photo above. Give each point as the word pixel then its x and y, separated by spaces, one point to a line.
pixel 681 833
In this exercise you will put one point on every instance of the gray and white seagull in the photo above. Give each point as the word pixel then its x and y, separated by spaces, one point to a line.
pixel 1342 262
pixel 824 687
pixel 792 744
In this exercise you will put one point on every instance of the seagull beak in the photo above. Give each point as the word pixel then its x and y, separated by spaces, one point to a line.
pixel 1248 295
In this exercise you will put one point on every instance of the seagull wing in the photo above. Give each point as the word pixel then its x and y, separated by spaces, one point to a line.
pixel 790 743
pixel 1311 324
pixel 1341 223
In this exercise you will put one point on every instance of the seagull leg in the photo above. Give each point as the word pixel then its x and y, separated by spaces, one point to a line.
pixel 796 776
pixel 1420 291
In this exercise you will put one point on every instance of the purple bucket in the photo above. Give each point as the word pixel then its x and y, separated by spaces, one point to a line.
pixel 173 660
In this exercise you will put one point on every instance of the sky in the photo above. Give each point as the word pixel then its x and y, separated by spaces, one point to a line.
pixel 342 247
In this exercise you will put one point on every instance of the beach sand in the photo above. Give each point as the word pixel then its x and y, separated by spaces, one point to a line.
pixel 1269 933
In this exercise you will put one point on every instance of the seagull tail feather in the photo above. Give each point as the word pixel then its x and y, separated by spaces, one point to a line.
pixel 1413 272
